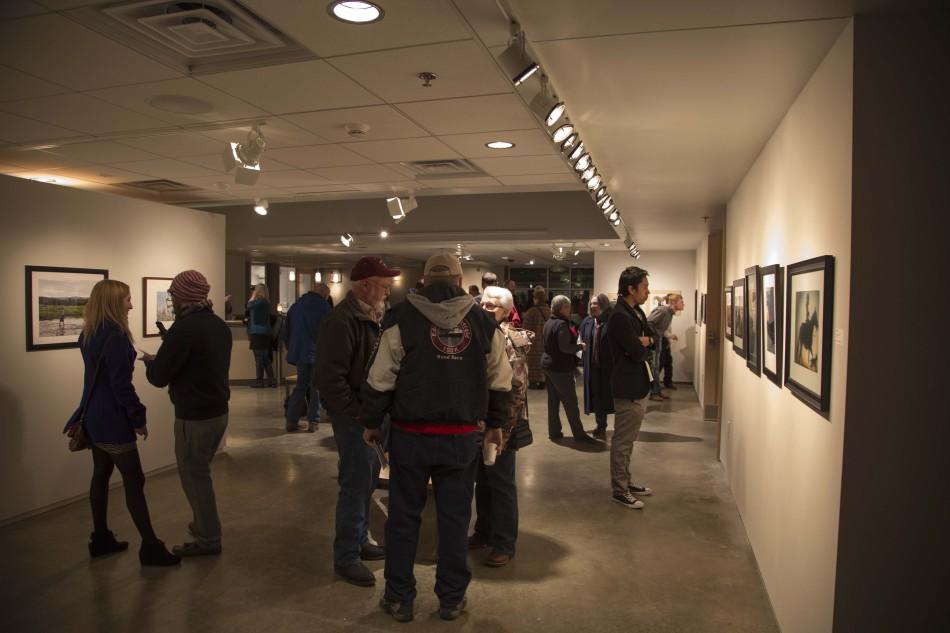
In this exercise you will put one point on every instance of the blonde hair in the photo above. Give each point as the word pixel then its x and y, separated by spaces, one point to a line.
pixel 673 297
pixel 106 303
pixel 260 290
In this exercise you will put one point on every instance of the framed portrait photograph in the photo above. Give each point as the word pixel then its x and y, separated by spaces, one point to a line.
pixel 753 320
pixel 156 305
pixel 55 299
pixel 809 312
pixel 727 302
pixel 772 315
pixel 738 321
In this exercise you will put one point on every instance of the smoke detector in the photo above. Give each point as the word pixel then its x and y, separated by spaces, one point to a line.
pixel 356 130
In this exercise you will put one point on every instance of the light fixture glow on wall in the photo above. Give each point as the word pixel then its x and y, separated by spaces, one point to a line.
pixel 260 207
pixel 500 145
pixel 346 239
pixel 317 277
pixel 561 134
pixel 335 277
pixel 355 12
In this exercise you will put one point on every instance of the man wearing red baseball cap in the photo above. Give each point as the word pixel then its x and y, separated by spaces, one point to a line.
pixel 345 345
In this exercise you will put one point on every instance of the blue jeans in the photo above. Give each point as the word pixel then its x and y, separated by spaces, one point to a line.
pixel 358 476
pixel 263 364
pixel 297 400
pixel 450 461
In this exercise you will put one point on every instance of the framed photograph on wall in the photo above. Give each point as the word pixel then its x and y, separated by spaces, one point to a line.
pixel 753 320
pixel 696 307
pixel 772 316
pixel 702 308
pixel 728 303
pixel 55 298
pixel 809 313
pixel 738 321
pixel 156 305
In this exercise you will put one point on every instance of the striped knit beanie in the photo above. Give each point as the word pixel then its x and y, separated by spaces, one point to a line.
pixel 190 287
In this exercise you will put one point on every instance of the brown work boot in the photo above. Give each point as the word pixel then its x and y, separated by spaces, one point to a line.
pixel 498 559
pixel 477 541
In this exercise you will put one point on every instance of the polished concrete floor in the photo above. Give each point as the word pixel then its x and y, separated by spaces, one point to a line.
pixel 584 563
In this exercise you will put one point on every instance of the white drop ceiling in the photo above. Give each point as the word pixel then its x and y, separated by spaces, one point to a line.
pixel 674 100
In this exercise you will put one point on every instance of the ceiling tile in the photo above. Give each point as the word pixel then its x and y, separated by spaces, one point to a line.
pixel 215 162
pixel 291 178
pixel 178 144
pixel 305 189
pixel 384 122
pixel 425 148
pixel 15 129
pixel 523 165
pixel 81 112
pixel 405 23
pixel 317 156
pixel 456 183
pixel 81 59
pixel 541 179
pixel 135 97
pixel 101 152
pixel 527 143
pixel 104 174
pixel 470 114
pixel 17 85
pixel 19 9
pixel 358 174
pixel 279 133
pixel 298 87
pixel 166 168
pixel 463 69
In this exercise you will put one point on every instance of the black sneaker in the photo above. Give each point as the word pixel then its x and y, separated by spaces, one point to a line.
pixel 451 613
pixel 372 552
pixel 627 500
pixel 356 574
pixel 401 611
pixel 600 434
pixel 155 555
pixel 102 543
pixel 640 491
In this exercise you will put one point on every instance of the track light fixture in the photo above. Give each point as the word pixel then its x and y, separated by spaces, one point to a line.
pixel 588 174
pixel 346 239
pixel 515 61
pixel 545 106
pixel 244 159
pixel 594 182
pixel 399 208
pixel 582 163
pixel 600 195
pixel 605 203
pixel 632 247
pixel 570 142
pixel 577 252
pixel 561 134
pixel 613 215
pixel 577 153
pixel 618 221
pixel 260 207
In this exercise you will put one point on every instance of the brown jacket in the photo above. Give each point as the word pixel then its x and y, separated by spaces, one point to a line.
pixel 534 320
pixel 517 344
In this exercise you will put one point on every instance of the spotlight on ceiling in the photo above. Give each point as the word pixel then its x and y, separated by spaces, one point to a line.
pixel 515 61
pixel 260 207
pixel 608 209
pixel 384 234
pixel 588 174
pixel 346 239
pixel 500 145
pixel 613 215
pixel 606 203
pixel 617 222
pixel 317 277
pixel 244 159
pixel 577 252
pixel 569 142
pixel 577 153
pixel 399 208
pixel 335 277
pixel 292 275
pixel 530 262
pixel 561 134
pixel 594 182
pixel 601 195
pixel 632 247
pixel 355 12
pixel 582 163
pixel 545 106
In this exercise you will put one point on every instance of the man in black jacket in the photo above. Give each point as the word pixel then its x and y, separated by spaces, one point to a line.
pixel 193 362
pixel 441 367
pixel 345 344
pixel 628 340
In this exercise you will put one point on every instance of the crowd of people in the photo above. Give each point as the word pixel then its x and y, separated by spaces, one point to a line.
pixel 438 383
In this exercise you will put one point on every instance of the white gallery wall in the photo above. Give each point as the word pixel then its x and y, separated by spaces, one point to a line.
pixel 699 332
pixel 48 225
pixel 783 460
pixel 669 270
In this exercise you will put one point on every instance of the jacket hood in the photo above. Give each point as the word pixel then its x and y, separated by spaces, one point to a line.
pixel 445 314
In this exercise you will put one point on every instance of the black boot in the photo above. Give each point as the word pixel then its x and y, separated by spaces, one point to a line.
pixel 102 543
pixel 155 555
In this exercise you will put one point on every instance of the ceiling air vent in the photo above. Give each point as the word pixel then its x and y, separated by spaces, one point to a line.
pixel 159 186
pixel 443 168
pixel 202 37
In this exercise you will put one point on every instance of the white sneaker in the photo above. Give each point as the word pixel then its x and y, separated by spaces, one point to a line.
pixel 627 500
pixel 641 491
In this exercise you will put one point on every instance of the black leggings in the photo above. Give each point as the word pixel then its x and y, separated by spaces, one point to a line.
pixel 130 467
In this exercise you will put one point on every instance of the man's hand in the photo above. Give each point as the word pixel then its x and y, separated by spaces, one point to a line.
pixel 646 341
pixel 494 436
pixel 143 431
pixel 371 437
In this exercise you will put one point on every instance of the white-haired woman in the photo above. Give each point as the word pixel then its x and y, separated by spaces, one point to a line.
pixel 496 495
pixel 559 360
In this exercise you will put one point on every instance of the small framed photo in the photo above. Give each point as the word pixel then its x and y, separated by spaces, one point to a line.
pixel 696 307
pixel 727 301
pixel 753 320
pixel 772 316
pixel 738 321
pixel 702 308
pixel 809 314
pixel 55 299
pixel 156 305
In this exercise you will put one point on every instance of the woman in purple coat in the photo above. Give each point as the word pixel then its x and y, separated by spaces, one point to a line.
pixel 112 415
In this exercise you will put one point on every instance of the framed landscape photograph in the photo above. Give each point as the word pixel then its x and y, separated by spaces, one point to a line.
pixel 55 298
pixel 772 315
pixel 156 305
pixel 753 319
pixel 728 303
pixel 738 320
pixel 809 310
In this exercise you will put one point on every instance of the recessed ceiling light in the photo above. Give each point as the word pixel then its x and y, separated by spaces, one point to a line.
pixel 500 145
pixel 179 104
pixel 355 12
pixel 530 262
pixel 384 234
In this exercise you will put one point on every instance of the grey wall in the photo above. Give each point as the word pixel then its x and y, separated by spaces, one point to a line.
pixel 49 225
pixel 892 565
